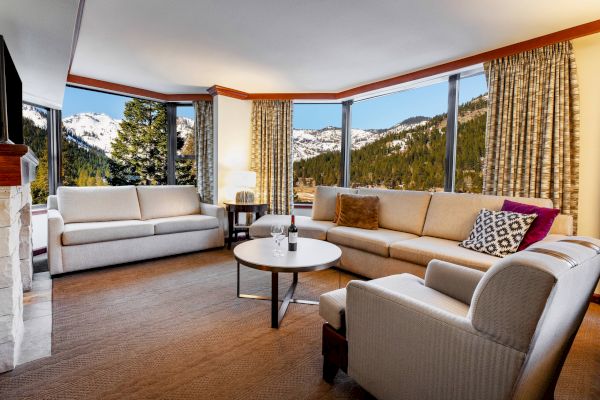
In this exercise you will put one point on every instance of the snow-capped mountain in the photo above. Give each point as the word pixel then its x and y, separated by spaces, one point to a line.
pixel 96 129
pixel 35 115
pixel 312 142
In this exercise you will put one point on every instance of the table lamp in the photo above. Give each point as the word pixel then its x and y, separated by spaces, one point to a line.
pixel 245 181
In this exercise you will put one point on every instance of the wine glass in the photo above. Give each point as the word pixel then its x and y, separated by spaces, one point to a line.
pixel 277 233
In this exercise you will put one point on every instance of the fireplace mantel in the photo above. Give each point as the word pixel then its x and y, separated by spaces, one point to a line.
pixel 17 165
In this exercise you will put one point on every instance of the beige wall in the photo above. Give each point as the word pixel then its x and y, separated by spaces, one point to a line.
pixel 587 56
pixel 232 130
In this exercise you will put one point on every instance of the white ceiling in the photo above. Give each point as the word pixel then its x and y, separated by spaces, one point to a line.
pixel 39 35
pixel 183 46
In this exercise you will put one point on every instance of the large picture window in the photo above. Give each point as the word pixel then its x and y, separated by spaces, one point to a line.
pixel 110 139
pixel 35 135
pixel 470 145
pixel 317 139
pixel 185 161
pixel 398 140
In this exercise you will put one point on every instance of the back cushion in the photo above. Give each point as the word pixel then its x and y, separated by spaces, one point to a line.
pixel 324 202
pixel 98 203
pixel 168 201
pixel 452 215
pixel 401 210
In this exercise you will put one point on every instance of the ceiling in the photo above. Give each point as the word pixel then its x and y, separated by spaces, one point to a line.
pixel 184 46
pixel 39 35
pixel 261 46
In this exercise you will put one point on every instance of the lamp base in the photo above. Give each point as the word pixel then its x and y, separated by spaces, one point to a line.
pixel 244 196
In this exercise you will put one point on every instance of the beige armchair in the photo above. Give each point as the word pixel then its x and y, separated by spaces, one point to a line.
pixel 461 333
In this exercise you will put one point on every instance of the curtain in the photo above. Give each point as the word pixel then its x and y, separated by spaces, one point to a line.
pixel 272 153
pixel 205 170
pixel 532 140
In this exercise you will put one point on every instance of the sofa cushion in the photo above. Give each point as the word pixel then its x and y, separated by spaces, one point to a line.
pixel 414 287
pixel 401 210
pixel 98 203
pixel 541 225
pixel 452 215
pixel 359 211
pixel 424 249
pixel 168 201
pixel 183 223
pixel 332 308
pixel 307 227
pixel 373 241
pixel 324 204
pixel 94 232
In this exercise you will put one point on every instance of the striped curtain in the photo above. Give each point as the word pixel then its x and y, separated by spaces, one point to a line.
pixel 532 140
pixel 205 152
pixel 272 153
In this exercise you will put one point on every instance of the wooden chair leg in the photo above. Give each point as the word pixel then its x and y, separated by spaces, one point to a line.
pixel 330 370
pixel 335 353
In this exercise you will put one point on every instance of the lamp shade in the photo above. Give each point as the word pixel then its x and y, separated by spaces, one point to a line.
pixel 243 179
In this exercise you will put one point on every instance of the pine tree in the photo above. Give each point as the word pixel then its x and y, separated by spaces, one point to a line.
pixel 139 152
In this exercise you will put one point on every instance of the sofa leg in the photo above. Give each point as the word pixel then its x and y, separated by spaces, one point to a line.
pixel 335 353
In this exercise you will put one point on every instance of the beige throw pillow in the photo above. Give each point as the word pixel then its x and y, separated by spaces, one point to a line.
pixel 358 211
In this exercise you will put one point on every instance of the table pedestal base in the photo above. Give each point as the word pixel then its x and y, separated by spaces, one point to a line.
pixel 277 312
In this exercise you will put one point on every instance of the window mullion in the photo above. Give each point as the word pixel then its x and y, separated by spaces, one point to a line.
pixel 451 133
pixel 346 143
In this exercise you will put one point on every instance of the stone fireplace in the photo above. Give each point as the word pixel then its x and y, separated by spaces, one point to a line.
pixel 16 269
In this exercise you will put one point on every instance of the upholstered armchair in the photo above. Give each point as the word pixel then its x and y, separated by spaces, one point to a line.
pixel 461 333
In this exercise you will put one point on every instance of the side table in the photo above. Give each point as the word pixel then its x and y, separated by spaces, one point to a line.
pixel 233 210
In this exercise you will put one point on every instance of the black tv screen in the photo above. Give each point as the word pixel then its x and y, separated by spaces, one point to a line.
pixel 14 97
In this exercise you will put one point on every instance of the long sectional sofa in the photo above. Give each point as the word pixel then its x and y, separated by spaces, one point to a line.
pixel 414 228
pixel 98 226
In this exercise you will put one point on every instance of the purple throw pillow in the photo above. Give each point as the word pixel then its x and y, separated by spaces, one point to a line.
pixel 541 225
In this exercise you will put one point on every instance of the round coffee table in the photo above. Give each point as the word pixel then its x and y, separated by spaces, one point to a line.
pixel 312 255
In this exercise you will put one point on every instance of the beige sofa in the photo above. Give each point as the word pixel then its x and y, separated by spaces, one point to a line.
pixel 98 226
pixel 414 228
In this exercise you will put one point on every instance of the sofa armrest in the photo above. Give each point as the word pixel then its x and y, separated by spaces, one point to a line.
pixel 453 280
pixel 214 211
pixel 562 225
pixel 400 347
pixel 52 202
pixel 56 227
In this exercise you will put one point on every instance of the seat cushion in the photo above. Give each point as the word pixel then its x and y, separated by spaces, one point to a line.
pixel 98 203
pixel 307 227
pixel 332 308
pixel 401 210
pixel 94 232
pixel 414 287
pixel 324 203
pixel 424 249
pixel 168 201
pixel 373 241
pixel 183 223
pixel 452 215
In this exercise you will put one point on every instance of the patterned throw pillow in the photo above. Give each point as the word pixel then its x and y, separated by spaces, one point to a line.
pixel 498 233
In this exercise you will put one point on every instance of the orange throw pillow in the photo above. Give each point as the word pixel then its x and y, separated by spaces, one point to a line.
pixel 337 208
pixel 358 211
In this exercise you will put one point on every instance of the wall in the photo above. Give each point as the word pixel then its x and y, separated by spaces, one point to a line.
pixel 587 56
pixel 233 133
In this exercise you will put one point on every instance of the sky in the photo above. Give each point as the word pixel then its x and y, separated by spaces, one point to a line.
pixel 385 111
pixel 377 113
pixel 81 100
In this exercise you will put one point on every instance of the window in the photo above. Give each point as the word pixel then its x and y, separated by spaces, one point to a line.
pixel 109 139
pixel 317 139
pixel 470 146
pixel 185 161
pixel 35 135
pixel 399 141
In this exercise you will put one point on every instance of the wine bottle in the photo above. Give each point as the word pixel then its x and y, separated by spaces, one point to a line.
pixel 293 235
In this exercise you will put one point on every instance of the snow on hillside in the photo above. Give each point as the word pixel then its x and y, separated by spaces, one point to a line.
pixel 33 114
pixel 309 143
pixel 96 129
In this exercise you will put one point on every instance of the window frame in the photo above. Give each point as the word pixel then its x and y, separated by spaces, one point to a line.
pixel 453 80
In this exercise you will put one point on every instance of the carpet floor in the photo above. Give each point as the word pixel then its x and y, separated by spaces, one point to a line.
pixel 173 329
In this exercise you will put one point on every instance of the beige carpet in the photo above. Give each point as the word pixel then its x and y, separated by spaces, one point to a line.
pixel 173 329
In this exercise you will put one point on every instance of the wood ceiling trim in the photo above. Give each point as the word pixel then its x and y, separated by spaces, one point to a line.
pixel 565 34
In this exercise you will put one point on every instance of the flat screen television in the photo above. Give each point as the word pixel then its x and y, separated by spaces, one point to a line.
pixel 13 93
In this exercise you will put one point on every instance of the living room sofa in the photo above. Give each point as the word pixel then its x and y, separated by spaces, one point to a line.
pixel 99 226
pixel 414 228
